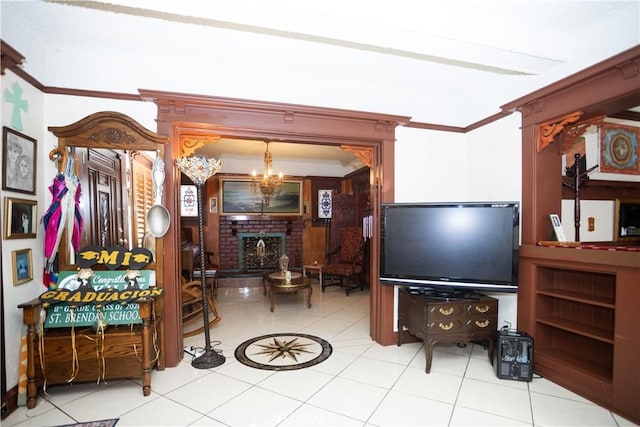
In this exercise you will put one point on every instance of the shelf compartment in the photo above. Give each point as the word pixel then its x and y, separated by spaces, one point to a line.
pixel 583 353
pixel 605 302
pixel 592 321
pixel 581 286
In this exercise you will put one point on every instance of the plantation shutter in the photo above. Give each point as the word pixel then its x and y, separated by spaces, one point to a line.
pixel 142 187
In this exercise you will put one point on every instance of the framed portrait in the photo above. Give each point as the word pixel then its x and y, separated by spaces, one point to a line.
pixel 626 220
pixel 22 266
pixel 239 198
pixel 18 162
pixel 213 205
pixel 21 218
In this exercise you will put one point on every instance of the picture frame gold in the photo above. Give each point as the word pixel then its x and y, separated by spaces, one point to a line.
pixel 239 198
pixel 626 220
pixel 18 162
pixel 22 266
pixel 21 218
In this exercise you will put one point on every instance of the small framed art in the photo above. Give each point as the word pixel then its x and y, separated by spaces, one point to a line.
pixel 325 203
pixel 188 201
pixel 626 220
pixel 19 162
pixel 22 264
pixel 20 218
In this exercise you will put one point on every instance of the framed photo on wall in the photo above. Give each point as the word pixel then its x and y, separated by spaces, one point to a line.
pixel 20 217
pixel 18 162
pixel 22 266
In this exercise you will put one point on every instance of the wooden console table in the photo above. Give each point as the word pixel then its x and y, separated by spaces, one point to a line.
pixel 127 351
pixel 453 321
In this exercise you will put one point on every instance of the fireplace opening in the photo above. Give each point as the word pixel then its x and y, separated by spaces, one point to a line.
pixel 260 251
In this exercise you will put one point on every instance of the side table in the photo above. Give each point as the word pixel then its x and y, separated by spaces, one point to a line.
pixel 313 267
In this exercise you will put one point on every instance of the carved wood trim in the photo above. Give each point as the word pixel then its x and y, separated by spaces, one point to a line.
pixel 189 143
pixel 572 133
pixel 364 154
pixel 108 129
pixel 10 58
pixel 548 130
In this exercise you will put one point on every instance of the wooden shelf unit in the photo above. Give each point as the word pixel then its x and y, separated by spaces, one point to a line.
pixel 582 306
pixel 583 309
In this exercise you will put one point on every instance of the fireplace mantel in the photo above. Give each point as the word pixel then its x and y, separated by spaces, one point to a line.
pixel 288 218
pixel 234 219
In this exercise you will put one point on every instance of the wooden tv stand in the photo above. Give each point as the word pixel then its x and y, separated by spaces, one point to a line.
pixel 128 352
pixel 440 321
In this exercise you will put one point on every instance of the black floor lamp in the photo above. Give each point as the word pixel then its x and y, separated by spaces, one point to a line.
pixel 200 169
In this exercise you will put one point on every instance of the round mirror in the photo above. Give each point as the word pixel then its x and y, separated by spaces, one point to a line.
pixel 158 220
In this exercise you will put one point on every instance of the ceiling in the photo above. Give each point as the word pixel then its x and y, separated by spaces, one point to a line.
pixel 449 62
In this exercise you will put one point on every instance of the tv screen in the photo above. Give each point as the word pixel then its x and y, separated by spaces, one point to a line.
pixel 464 246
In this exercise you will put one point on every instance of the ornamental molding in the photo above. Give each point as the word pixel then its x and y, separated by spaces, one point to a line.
pixel 547 131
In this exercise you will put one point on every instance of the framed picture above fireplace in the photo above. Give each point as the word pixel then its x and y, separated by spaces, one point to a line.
pixel 239 198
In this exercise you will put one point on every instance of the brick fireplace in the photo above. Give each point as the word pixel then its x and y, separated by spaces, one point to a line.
pixel 239 239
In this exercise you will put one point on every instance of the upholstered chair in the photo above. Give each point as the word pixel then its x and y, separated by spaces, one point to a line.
pixel 345 265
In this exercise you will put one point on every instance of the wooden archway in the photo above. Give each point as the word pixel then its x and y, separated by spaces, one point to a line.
pixel 184 114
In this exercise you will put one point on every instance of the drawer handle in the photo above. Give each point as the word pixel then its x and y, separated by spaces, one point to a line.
pixel 445 327
pixel 482 324
pixel 482 309
pixel 446 311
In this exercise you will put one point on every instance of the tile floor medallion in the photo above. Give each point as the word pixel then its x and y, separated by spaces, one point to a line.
pixel 283 352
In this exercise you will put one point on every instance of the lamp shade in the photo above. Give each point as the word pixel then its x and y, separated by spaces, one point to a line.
pixel 198 168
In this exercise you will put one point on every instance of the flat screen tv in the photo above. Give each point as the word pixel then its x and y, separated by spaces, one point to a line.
pixel 450 247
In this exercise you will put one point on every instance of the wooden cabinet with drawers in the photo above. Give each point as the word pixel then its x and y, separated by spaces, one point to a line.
pixel 447 321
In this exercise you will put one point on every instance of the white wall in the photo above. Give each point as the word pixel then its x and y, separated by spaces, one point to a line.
pixel 430 166
pixel 32 121
pixel 485 164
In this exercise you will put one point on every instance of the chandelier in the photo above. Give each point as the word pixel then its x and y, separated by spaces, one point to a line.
pixel 269 185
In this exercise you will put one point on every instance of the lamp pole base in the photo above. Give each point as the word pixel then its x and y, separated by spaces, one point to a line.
pixel 209 359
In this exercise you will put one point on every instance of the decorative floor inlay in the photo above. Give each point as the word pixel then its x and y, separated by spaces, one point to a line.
pixel 283 352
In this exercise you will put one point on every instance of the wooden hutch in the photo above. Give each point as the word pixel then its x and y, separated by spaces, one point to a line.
pixel 580 305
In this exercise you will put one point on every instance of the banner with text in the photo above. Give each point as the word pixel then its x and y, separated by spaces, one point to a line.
pixel 108 300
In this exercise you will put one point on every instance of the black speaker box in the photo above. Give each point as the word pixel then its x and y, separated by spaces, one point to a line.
pixel 513 357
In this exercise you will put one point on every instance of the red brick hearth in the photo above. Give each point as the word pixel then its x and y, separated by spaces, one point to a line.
pixel 233 229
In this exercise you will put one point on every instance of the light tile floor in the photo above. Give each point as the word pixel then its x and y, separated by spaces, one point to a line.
pixel 361 384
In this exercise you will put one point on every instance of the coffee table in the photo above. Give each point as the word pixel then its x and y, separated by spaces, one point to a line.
pixel 278 285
